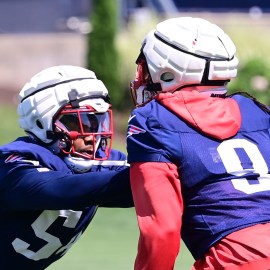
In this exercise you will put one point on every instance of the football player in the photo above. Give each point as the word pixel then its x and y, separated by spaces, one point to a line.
pixel 53 180
pixel 199 158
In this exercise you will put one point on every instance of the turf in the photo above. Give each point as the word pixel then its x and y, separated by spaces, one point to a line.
pixel 110 242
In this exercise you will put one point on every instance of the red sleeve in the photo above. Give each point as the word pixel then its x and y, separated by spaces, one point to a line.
pixel 159 207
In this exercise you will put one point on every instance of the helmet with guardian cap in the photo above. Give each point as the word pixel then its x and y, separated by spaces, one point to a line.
pixel 63 103
pixel 183 52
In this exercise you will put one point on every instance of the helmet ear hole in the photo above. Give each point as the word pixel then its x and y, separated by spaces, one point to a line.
pixel 167 77
pixel 39 124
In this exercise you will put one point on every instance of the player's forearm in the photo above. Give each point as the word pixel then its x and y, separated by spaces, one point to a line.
pixel 54 190
pixel 159 207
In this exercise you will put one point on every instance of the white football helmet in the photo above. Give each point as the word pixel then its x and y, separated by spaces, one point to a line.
pixel 183 52
pixel 63 103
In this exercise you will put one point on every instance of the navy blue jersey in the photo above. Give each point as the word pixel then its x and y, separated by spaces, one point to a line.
pixel 223 180
pixel 33 179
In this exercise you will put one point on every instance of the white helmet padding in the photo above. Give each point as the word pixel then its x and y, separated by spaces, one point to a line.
pixel 189 51
pixel 63 85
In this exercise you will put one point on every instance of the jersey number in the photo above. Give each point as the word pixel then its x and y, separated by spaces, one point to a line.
pixel 233 165
pixel 40 225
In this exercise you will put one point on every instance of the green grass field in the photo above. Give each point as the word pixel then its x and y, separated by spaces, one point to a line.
pixel 110 242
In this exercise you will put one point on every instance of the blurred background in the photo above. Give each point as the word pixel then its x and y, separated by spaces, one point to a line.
pixel 105 36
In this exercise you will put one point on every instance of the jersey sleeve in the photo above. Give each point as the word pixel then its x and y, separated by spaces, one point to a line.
pixel 159 208
pixel 116 161
pixel 28 186
pixel 148 140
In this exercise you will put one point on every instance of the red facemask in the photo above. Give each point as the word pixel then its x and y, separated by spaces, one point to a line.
pixel 74 123
pixel 140 87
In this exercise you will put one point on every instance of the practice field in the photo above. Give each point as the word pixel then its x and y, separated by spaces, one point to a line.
pixel 110 243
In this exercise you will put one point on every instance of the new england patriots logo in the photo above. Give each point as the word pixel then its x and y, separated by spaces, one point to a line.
pixel 13 158
pixel 132 129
